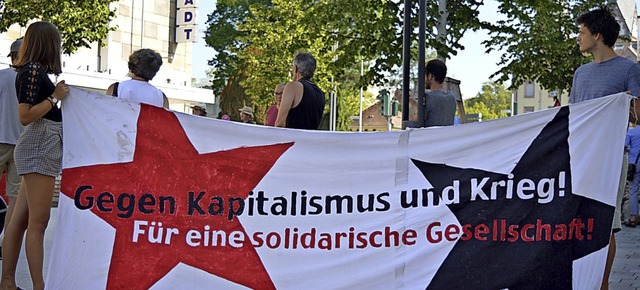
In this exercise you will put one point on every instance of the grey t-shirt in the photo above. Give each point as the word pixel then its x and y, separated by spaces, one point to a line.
pixel 10 127
pixel 440 108
pixel 596 80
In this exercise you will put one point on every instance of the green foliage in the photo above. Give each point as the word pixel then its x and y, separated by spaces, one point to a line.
pixel 79 22
pixel 223 36
pixel 233 97
pixel 539 38
pixel 492 101
pixel 262 36
pixel 462 17
pixel 338 33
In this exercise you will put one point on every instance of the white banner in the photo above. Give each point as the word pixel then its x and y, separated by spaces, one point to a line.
pixel 164 200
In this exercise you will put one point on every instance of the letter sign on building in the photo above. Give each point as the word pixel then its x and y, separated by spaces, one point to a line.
pixel 186 21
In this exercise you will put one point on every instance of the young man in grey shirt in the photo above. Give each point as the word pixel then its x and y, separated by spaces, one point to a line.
pixel 440 105
pixel 607 74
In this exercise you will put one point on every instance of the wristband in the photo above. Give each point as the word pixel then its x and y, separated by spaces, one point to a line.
pixel 53 101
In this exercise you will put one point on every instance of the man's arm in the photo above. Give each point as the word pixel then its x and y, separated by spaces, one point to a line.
pixel 291 90
pixel 633 88
pixel 165 101
pixel 634 111
pixel 110 90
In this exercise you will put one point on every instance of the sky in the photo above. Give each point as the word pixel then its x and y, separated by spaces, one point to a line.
pixel 471 66
pixel 201 52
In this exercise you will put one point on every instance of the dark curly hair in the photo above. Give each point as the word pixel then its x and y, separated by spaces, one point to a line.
pixel 145 63
pixel 601 21
pixel 437 68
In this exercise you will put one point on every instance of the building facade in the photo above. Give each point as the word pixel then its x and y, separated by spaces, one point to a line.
pixel 139 24
pixel 530 97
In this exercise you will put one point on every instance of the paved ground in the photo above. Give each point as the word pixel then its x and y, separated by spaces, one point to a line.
pixel 22 275
pixel 625 275
pixel 626 266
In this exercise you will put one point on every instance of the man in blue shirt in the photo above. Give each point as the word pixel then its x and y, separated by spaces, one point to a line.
pixel 633 144
pixel 607 74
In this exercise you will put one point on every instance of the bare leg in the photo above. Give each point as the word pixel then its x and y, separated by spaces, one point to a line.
pixel 610 256
pixel 12 185
pixel 39 196
pixel 13 234
pixel 11 204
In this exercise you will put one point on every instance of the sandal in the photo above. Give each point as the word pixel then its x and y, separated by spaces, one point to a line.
pixel 631 224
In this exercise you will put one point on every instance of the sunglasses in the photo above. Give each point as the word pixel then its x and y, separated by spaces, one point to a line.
pixel 278 93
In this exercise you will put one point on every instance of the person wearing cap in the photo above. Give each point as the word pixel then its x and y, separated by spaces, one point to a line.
pixel 272 112
pixel 10 130
pixel 303 102
pixel 246 114
pixel 199 109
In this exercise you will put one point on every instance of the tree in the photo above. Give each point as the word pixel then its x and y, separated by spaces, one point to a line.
pixel 492 102
pixel 232 97
pixel 462 15
pixel 223 36
pixel 340 33
pixel 79 22
pixel 539 37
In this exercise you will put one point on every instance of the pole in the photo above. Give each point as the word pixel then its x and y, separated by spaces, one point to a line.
pixel 361 92
pixel 333 96
pixel 512 104
pixel 335 107
pixel 332 126
pixel 422 23
pixel 142 25
pixel 406 62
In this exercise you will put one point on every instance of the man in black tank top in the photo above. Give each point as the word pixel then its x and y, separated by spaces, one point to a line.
pixel 302 104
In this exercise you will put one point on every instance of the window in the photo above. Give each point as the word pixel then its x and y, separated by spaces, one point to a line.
pixel 528 109
pixel 618 47
pixel 529 90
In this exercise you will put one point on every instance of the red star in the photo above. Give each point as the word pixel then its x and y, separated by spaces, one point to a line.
pixel 165 163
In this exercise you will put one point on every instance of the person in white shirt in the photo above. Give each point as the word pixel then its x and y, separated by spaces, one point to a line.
pixel 10 130
pixel 143 66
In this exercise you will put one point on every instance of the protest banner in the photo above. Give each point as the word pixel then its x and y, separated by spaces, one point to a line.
pixel 157 199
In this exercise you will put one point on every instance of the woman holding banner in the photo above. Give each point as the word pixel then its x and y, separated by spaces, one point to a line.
pixel 38 152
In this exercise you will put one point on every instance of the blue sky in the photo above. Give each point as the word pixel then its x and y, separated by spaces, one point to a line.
pixel 471 66
pixel 202 53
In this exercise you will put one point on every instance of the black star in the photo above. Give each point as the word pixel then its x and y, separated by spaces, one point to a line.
pixel 520 264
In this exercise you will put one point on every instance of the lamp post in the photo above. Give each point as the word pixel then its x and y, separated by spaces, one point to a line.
pixel 361 96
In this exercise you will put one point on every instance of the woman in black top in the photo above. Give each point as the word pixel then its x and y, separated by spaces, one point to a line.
pixel 38 152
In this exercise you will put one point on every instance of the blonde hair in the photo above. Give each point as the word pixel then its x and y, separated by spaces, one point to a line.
pixel 41 44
